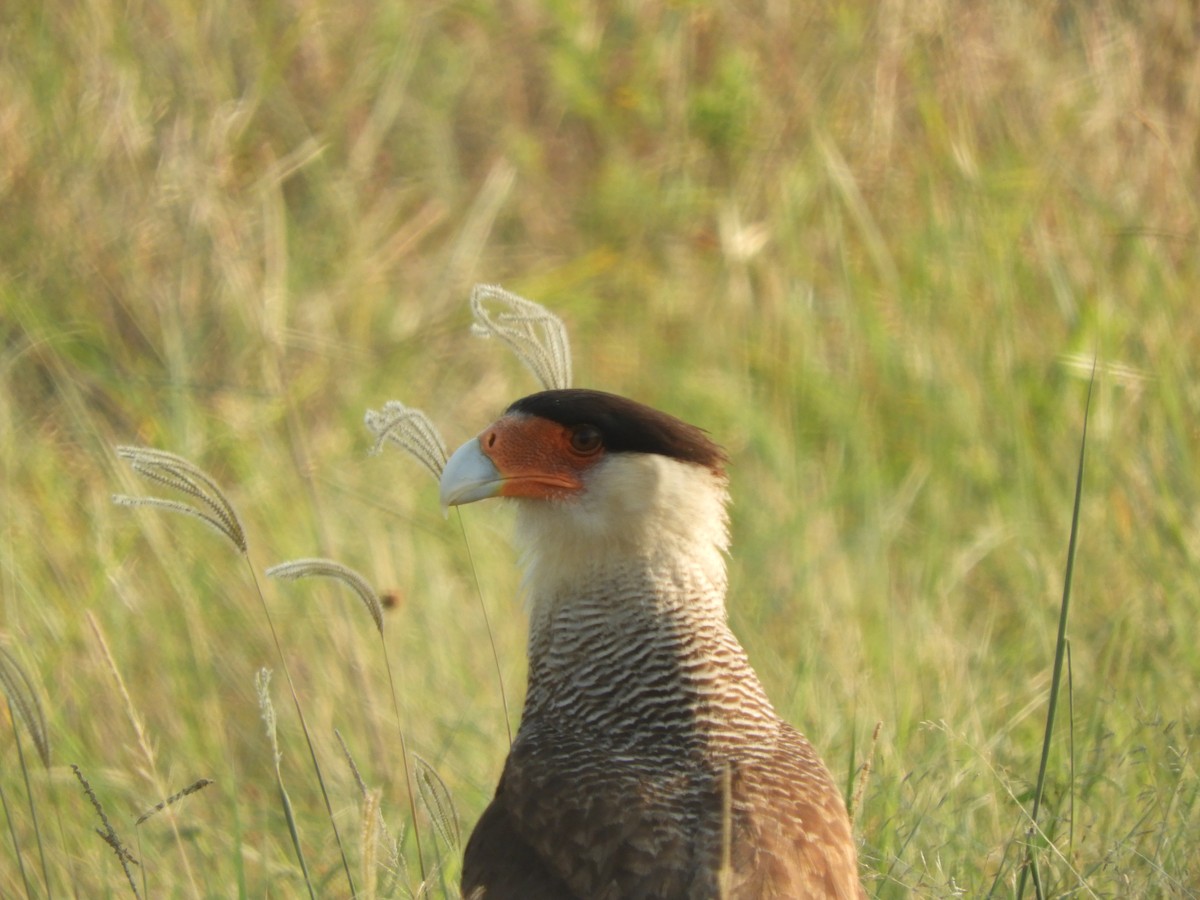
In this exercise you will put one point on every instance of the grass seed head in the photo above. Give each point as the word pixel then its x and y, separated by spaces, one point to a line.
pixel 170 470
pixel 537 336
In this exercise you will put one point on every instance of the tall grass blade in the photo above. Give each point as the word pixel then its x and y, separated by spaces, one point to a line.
pixel 1060 654
pixel 864 775
pixel 12 831
pixel 304 729
pixel 144 743
pixel 24 704
pixel 488 627
pixel 369 841
pixel 328 568
pixel 394 861
pixel 437 799
pixel 262 686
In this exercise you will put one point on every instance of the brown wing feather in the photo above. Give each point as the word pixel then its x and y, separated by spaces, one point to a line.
pixel 609 828
pixel 500 865
pixel 791 834
pixel 574 820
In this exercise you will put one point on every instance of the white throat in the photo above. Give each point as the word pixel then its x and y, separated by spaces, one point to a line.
pixel 637 513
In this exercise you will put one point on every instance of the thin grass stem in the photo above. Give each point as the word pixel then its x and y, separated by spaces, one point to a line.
pixel 312 751
pixel 143 740
pixel 108 834
pixel 262 686
pixel 12 831
pixel 303 568
pixel 24 704
pixel 488 626
pixel 1060 653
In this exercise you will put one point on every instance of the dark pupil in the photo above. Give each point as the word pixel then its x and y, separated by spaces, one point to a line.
pixel 585 439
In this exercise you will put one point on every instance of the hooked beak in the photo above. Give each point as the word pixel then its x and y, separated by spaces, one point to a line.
pixel 469 476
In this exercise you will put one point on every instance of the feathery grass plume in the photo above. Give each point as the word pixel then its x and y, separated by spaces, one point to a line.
pixel 262 686
pixel 411 430
pixel 108 833
pixel 303 568
pixel 178 473
pixel 864 775
pixel 1060 656
pixel 437 799
pixel 328 568
pixel 369 840
pixel 23 700
pixel 395 862
pixel 537 336
pixel 197 785
pixel 358 779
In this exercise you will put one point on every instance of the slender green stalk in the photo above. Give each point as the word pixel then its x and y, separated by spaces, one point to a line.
pixel 12 831
pixel 312 750
pixel 24 705
pixel 145 745
pixel 487 625
pixel 303 568
pixel 262 684
pixel 1060 656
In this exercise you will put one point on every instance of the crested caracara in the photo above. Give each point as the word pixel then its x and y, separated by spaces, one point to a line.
pixel 649 762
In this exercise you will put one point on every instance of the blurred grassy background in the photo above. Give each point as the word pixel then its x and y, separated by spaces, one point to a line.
pixel 872 247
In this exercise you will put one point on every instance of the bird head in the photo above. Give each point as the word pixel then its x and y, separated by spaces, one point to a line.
pixel 598 479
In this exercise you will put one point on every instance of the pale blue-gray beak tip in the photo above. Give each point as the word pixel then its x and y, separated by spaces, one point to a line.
pixel 469 476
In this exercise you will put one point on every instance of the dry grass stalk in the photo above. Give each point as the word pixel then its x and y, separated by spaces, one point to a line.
pixel 198 785
pixel 437 800
pixel 145 745
pixel 537 336
pixel 108 833
pixel 178 473
pixel 262 687
pixel 395 862
pixel 369 839
pixel 328 568
pixel 864 774
pixel 725 872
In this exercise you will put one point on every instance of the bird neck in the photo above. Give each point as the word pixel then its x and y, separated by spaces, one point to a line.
pixel 640 654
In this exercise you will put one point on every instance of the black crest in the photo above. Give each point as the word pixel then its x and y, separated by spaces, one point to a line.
pixel 625 425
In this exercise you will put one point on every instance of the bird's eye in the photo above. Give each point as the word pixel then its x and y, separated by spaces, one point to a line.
pixel 585 439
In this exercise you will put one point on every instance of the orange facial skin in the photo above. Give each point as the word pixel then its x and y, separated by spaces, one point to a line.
pixel 538 458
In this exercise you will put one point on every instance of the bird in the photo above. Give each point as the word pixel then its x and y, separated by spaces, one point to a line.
pixel 649 761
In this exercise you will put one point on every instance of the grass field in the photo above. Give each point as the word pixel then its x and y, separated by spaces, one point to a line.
pixel 872 247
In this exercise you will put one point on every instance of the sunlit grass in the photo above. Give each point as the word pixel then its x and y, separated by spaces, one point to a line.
pixel 873 248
